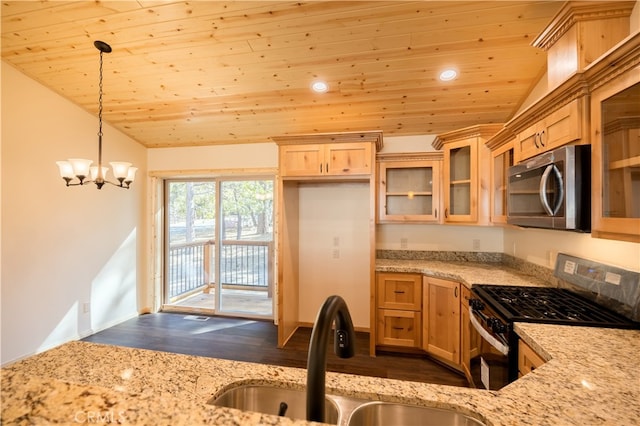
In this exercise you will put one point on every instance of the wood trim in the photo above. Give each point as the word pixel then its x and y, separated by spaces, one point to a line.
pixel 374 136
pixel 410 156
pixel 577 11
pixel 484 131
pixel 211 173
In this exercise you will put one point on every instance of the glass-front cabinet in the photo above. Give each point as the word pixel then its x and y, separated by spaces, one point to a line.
pixel 466 173
pixel 502 157
pixel 409 187
pixel 615 121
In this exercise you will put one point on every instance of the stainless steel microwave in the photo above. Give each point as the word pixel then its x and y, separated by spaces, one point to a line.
pixel 552 190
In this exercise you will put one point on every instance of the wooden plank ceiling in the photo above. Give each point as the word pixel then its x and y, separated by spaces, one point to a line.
pixel 186 73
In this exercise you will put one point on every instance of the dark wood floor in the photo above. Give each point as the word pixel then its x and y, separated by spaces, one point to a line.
pixel 255 341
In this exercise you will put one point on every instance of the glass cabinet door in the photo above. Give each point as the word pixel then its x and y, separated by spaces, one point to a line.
pixel 461 182
pixel 409 191
pixel 502 159
pixel 616 160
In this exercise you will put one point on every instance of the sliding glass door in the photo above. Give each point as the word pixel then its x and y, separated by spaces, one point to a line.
pixel 219 246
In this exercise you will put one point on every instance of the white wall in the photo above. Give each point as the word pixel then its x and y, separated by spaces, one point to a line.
pixel 243 156
pixel 63 247
pixel 334 249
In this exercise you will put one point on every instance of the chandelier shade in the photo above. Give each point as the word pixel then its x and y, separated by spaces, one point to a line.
pixel 78 171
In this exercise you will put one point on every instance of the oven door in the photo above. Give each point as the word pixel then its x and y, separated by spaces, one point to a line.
pixel 490 367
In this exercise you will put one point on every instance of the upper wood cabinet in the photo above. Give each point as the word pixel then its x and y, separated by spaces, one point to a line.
pixel 615 138
pixel 328 155
pixel 560 127
pixel 580 33
pixel 502 146
pixel 409 187
pixel 466 173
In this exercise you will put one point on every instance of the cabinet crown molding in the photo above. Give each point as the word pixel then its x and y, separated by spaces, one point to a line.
pixel 373 136
pixel 409 156
pixel 579 11
pixel 480 130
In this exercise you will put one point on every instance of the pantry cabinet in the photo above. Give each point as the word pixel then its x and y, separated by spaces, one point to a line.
pixel 399 309
pixel 466 173
pixel 441 322
pixel 409 187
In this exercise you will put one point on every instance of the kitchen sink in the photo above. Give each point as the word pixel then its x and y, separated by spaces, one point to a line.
pixel 384 413
pixel 267 400
pixel 339 410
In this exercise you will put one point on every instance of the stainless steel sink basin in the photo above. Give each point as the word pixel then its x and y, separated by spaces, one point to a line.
pixel 339 410
pixel 267 400
pixel 384 414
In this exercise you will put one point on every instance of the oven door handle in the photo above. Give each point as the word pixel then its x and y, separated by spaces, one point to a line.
pixel 501 347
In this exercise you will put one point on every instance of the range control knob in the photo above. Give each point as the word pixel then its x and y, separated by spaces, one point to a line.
pixel 496 325
pixel 476 304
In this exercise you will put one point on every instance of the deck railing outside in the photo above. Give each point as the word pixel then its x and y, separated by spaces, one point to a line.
pixel 243 264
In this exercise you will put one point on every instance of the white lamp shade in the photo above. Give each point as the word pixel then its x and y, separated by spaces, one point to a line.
pixel 66 170
pixel 120 169
pixel 80 166
pixel 94 172
pixel 131 174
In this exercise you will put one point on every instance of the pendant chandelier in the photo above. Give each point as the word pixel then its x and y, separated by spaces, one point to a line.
pixel 78 171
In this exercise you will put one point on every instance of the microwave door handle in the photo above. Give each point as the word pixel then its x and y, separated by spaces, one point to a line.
pixel 556 171
pixel 543 190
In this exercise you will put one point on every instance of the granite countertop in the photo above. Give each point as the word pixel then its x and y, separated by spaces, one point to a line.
pixel 468 273
pixel 592 377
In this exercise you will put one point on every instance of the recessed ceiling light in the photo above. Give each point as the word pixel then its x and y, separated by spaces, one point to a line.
pixel 319 86
pixel 448 75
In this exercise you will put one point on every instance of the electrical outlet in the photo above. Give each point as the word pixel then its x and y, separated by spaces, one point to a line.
pixel 335 254
pixel 86 307
pixel 336 241
pixel 404 243
pixel 476 244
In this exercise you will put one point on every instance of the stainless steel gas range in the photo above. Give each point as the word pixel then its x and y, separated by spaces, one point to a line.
pixel 494 309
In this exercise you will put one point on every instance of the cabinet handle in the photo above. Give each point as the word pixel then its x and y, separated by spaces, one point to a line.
pixel 535 140
pixel 398 328
pixel 455 292
pixel 543 136
pixel 327 168
pixel 436 210
pixel 446 213
pixel 398 291
pixel 320 168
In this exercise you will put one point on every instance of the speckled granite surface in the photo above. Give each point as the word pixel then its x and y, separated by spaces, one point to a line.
pixel 466 272
pixel 592 377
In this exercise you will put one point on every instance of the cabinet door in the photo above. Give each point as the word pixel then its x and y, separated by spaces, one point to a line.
pixel 302 160
pixel 398 328
pixel 441 319
pixel 528 359
pixel 559 128
pixel 615 112
pixel 461 181
pixel 502 159
pixel 409 191
pixel 399 291
pixel 347 159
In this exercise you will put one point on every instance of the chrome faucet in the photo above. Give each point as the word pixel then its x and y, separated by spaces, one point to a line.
pixel 334 308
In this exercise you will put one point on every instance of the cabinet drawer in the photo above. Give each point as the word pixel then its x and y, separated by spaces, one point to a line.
pixel 399 291
pixel 398 328
pixel 528 359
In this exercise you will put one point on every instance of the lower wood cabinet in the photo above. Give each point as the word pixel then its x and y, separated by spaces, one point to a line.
pixel 413 311
pixel 528 359
pixel 441 319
